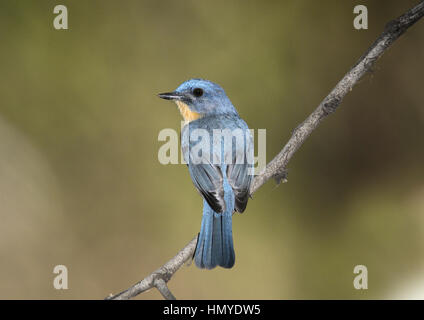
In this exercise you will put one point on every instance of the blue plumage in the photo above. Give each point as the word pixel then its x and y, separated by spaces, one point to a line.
pixel 215 242
pixel 220 166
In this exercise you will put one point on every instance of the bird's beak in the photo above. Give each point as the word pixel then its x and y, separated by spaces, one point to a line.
pixel 171 95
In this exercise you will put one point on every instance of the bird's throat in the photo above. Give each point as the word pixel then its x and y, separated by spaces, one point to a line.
pixel 187 114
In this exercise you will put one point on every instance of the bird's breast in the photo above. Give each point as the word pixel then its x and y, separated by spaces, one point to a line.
pixel 187 114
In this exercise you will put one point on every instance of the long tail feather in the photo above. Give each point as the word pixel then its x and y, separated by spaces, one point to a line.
pixel 215 244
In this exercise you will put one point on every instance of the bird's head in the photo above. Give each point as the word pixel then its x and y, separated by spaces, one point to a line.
pixel 197 98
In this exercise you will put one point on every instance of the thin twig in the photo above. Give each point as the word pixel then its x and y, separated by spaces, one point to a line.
pixel 392 31
pixel 163 289
pixel 277 167
pixel 163 273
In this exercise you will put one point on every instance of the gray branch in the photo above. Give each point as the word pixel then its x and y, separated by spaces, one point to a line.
pixel 277 167
pixel 163 289
pixel 161 276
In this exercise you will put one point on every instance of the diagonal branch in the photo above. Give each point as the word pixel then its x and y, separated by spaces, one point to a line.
pixel 392 31
pixel 159 277
pixel 276 168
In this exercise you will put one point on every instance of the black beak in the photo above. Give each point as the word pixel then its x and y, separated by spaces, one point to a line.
pixel 171 96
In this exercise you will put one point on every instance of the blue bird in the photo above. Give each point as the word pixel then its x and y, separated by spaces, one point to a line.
pixel 218 149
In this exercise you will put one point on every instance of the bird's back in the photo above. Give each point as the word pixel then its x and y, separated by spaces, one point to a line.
pixel 218 149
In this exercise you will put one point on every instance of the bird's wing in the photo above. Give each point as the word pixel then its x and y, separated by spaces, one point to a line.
pixel 207 178
pixel 240 181
pixel 240 174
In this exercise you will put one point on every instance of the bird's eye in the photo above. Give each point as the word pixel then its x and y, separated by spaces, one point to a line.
pixel 198 92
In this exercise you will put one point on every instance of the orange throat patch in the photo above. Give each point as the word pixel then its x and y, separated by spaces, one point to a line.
pixel 187 114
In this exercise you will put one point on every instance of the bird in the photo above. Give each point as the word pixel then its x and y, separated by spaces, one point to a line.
pixel 224 174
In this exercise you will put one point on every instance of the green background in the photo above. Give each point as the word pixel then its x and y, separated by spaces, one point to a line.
pixel 81 185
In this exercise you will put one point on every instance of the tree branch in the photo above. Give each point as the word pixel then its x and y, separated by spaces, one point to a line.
pixel 161 276
pixel 277 167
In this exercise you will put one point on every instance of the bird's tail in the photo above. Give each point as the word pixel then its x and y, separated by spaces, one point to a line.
pixel 215 242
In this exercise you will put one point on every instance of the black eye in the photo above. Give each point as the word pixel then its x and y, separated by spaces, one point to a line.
pixel 198 92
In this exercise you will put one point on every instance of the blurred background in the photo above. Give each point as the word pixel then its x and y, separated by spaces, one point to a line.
pixel 81 184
